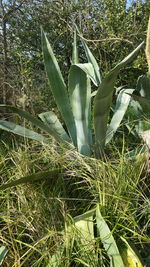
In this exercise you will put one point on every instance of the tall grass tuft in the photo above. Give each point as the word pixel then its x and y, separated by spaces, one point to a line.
pixel 33 216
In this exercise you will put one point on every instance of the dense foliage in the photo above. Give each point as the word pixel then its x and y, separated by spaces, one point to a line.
pixel 119 27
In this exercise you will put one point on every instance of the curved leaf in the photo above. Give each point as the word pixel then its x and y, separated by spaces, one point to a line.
pixel 89 70
pixel 130 255
pixel 20 130
pixel 32 178
pixel 108 241
pixel 50 119
pixel 80 99
pixel 92 60
pixel 144 102
pixel 103 101
pixel 143 85
pixel 3 252
pixel 58 86
pixel 35 121
pixel 121 106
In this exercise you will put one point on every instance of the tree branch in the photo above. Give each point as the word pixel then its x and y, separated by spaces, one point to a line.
pixel 107 39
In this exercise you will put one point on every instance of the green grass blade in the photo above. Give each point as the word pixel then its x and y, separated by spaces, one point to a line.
pixel 22 131
pixel 121 106
pixel 92 60
pixel 103 101
pixel 50 119
pixel 58 86
pixel 35 121
pixel 33 178
pixel 3 252
pixel 108 241
pixel 80 99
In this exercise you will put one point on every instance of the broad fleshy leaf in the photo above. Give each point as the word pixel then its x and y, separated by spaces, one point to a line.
pixel 92 60
pixel 103 101
pixel 22 131
pixel 58 86
pixel 50 119
pixel 3 252
pixel 108 241
pixel 35 121
pixel 144 102
pixel 130 255
pixel 84 223
pixel 121 106
pixel 80 98
pixel 143 85
pixel 129 58
pixel 75 59
pixel 33 178
pixel 89 70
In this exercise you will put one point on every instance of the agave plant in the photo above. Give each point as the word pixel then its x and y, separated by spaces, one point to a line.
pixel 141 96
pixel 88 241
pixel 74 103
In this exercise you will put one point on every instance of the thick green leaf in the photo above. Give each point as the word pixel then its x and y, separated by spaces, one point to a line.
pixel 103 101
pixel 141 109
pixel 35 121
pixel 86 229
pixel 129 58
pixel 50 119
pixel 89 70
pixel 144 102
pixel 19 130
pixel 143 85
pixel 80 99
pixel 121 106
pixel 92 60
pixel 85 215
pixel 33 178
pixel 58 86
pixel 3 252
pixel 85 225
pixel 108 241
pixel 130 255
pixel 75 59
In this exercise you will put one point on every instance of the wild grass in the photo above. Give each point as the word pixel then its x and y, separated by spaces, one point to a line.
pixel 33 215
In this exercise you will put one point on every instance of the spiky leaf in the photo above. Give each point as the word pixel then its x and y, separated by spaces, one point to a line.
pixel 103 101
pixel 51 120
pixel 58 86
pixel 108 240
pixel 80 99
pixel 22 131
pixel 35 121
pixel 33 178
pixel 121 106
pixel 3 252
pixel 92 60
